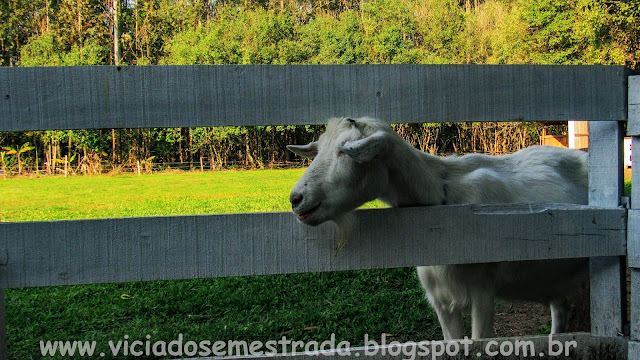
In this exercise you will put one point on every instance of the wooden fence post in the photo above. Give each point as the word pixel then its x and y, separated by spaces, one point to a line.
pixel 3 320
pixel 633 249
pixel 606 186
pixel 4 354
pixel 633 225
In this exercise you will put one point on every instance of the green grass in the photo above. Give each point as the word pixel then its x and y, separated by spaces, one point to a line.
pixel 300 306
pixel 86 197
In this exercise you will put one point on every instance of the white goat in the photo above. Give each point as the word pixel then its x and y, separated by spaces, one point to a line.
pixel 360 160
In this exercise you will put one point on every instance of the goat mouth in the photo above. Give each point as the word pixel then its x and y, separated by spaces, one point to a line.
pixel 305 215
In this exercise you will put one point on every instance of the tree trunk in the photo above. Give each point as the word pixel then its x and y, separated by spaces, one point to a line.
pixel 116 34
pixel 190 145
pixel 180 147
pixel 49 159
pixel 48 2
pixel 79 26
pixel 35 147
pixel 113 145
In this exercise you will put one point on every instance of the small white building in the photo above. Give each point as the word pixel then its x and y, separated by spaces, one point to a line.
pixel 578 138
pixel 627 152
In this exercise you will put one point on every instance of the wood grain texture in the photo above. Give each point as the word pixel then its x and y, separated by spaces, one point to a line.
pixel 3 327
pixel 606 176
pixel 635 309
pixel 635 173
pixel 215 95
pixel 184 247
pixel 633 239
pixel 606 179
pixel 608 295
pixel 634 350
pixel 633 126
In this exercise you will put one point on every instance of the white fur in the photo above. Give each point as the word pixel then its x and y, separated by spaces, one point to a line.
pixel 359 160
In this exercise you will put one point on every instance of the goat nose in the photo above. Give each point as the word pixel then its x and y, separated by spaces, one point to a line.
pixel 295 200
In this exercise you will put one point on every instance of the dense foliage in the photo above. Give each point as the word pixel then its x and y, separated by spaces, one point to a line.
pixel 143 32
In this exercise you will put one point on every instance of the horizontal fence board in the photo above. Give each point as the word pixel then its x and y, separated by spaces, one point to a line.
pixel 580 346
pixel 43 98
pixel 184 247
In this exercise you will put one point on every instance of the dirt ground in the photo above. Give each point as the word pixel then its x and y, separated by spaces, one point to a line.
pixel 521 319
pixel 525 318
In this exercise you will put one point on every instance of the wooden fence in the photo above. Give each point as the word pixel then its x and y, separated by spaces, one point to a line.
pixel 185 247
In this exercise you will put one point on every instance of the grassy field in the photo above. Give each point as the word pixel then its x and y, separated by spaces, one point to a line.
pixel 302 306
pixel 87 197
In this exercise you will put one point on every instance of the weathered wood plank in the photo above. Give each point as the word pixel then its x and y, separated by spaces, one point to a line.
pixel 635 173
pixel 581 347
pixel 180 247
pixel 187 96
pixel 633 239
pixel 606 176
pixel 635 305
pixel 634 350
pixel 3 327
pixel 606 186
pixel 633 126
pixel 633 233
pixel 608 295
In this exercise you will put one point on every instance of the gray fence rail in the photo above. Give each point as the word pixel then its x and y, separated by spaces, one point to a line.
pixel 184 247
pixel 190 96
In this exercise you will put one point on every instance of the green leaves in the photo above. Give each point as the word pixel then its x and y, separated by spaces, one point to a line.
pixel 571 32
pixel 46 50
pixel 69 32
pixel 17 150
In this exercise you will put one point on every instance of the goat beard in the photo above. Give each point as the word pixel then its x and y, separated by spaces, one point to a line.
pixel 345 224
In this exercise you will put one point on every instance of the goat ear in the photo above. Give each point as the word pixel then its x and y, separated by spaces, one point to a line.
pixel 355 123
pixel 309 151
pixel 366 149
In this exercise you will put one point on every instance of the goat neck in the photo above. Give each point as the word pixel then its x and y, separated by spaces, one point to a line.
pixel 415 178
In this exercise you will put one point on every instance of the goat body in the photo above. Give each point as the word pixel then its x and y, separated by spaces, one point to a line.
pixel 359 160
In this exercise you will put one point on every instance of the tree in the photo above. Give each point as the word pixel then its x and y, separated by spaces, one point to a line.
pixel 20 20
pixel 3 163
pixel 17 151
pixel 571 32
